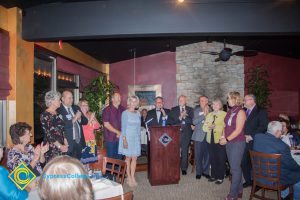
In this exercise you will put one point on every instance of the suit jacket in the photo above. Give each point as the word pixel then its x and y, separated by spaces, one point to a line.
pixel 257 121
pixel 152 115
pixel 198 120
pixel 69 124
pixel 173 118
pixel 267 143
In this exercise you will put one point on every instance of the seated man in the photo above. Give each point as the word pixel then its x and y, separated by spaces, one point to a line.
pixel 272 144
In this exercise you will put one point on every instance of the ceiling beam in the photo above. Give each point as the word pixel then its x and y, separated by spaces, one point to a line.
pixel 144 18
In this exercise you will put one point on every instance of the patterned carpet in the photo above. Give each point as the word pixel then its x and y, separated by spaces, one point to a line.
pixel 188 188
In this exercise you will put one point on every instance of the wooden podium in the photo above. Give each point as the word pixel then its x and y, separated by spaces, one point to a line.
pixel 164 155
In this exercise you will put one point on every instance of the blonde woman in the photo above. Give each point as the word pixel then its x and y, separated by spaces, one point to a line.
pixel 58 182
pixel 235 142
pixel 214 126
pixel 130 139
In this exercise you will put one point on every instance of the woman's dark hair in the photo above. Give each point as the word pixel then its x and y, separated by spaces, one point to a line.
pixel 17 130
pixel 288 124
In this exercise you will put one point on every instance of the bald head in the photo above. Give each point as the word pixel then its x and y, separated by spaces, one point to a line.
pixel 182 100
pixel 67 98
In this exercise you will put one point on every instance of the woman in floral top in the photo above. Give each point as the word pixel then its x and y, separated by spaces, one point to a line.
pixel 89 154
pixel 53 126
pixel 22 151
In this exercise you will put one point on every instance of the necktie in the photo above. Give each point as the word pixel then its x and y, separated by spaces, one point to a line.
pixel 76 129
pixel 248 112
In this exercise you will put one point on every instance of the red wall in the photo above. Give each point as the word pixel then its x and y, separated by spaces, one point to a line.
pixel 285 82
pixel 154 69
pixel 85 74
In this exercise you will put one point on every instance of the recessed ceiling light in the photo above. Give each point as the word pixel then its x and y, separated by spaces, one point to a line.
pixel 180 1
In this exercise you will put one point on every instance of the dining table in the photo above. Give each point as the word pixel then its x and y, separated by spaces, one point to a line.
pixel 103 188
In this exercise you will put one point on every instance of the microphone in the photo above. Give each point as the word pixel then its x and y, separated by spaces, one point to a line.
pixel 146 124
pixel 149 120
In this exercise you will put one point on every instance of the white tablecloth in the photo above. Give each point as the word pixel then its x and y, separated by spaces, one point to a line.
pixel 296 157
pixel 103 188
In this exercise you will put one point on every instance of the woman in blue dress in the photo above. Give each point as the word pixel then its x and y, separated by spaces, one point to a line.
pixel 130 140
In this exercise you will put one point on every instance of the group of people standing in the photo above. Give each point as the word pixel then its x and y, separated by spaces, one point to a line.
pixel 67 129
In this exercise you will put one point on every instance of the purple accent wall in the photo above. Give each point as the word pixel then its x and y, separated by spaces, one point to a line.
pixel 4 65
pixel 86 74
pixel 154 69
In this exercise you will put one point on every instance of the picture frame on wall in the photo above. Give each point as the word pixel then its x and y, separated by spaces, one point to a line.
pixel 146 94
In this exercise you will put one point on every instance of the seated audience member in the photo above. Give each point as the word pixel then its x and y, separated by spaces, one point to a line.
pixel 8 188
pixel 65 188
pixel 271 143
pixel 23 151
pixel 143 117
pixel 288 137
pixel 53 126
pixel 89 153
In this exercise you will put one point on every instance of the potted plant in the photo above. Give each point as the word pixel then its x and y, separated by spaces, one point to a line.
pixel 98 93
pixel 259 85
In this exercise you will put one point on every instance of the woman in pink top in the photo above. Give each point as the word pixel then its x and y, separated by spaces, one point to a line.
pixel 89 153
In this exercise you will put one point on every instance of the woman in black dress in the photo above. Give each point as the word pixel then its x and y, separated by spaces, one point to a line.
pixel 53 126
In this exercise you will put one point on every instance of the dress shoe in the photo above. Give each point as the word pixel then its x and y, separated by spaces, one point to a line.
pixel 206 175
pixel 183 172
pixel 219 181
pixel 246 184
pixel 211 179
pixel 198 176
pixel 230 198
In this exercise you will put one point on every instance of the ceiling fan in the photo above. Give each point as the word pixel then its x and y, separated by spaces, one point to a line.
pixel 226 53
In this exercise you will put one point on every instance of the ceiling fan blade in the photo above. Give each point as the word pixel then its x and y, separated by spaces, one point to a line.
pixel 209 52
pixel 245 53
pixel 217 59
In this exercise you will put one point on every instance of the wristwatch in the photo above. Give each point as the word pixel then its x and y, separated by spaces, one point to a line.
pixel 227 139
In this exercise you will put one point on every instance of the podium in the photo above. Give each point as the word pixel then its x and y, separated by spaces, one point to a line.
pixel 164 155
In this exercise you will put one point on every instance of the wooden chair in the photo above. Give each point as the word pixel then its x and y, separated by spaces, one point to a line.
pixel 126 196
pixel 266 174
pixel 115 167
pixel 192 155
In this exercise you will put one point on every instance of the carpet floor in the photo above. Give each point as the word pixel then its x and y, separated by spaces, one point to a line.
pixel 189 188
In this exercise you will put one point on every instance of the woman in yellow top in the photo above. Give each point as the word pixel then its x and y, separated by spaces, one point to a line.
pixel 214 126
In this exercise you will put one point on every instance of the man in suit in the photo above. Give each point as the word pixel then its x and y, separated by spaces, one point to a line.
pixel 74 119
pixel 159 114
pixel 257 122
pixel 183 115
pixel 199 137
pixel 270 142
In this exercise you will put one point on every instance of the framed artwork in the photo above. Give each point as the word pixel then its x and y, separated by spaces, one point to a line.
pixel 146 94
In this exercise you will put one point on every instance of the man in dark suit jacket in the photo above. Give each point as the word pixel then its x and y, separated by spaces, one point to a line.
pixel 270 142
pixel 257 122
pixel 183 115
pixel 159 114
pixel 74 119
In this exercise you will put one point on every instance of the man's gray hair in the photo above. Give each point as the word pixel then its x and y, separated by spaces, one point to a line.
pixel 51 96
pixel 274 126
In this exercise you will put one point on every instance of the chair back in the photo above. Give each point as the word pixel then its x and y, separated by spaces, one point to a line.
pixel 126 196
pixel 266 169
pixel 114 167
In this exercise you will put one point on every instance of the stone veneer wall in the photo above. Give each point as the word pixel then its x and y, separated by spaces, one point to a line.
pixel 198 74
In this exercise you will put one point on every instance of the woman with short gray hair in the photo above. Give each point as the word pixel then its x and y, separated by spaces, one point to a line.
pixel 53 126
